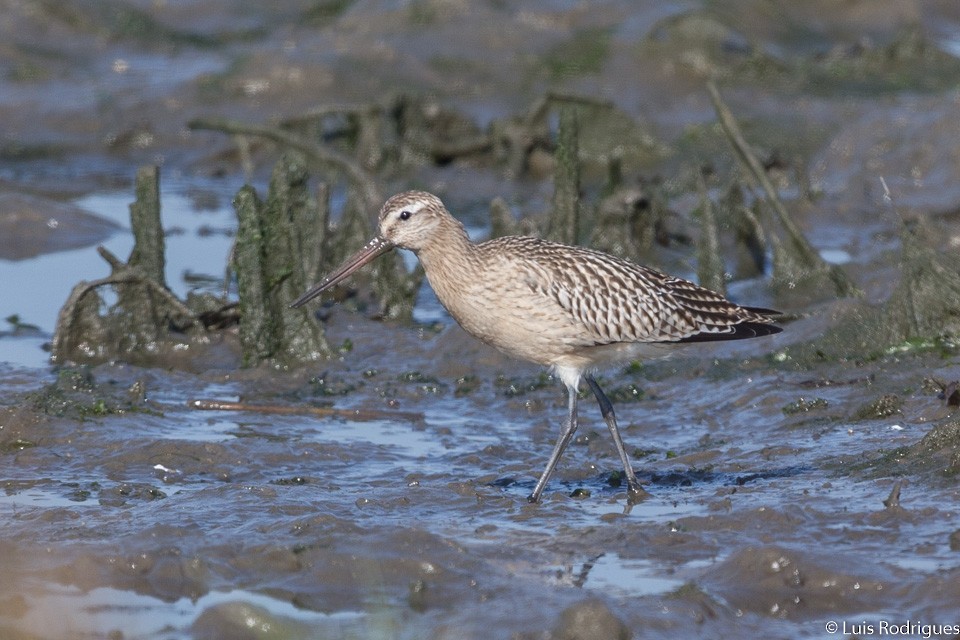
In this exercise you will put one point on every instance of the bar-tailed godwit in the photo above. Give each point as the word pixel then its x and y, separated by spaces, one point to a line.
pixel 568 308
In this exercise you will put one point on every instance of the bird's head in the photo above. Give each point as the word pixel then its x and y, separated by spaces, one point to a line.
pixel 410 219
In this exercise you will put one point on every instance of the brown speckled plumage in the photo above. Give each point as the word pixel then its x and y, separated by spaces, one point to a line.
pixel 569 308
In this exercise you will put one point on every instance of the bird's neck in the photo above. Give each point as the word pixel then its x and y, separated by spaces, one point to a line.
pixel 449 248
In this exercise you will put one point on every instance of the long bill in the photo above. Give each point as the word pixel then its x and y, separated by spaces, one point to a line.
pixel 376 247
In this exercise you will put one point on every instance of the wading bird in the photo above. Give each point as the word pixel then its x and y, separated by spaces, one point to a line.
pixel 568 308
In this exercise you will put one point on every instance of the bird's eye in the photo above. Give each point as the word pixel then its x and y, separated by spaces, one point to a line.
pixel 405 215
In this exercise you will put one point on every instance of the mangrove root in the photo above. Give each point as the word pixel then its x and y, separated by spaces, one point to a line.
pixel 146 315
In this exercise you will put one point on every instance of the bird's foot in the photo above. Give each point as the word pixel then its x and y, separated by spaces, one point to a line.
pixel 636 493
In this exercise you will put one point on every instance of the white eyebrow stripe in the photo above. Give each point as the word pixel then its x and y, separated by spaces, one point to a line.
pixel 414 207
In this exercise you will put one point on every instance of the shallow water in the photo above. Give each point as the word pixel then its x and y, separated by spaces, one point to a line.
pixel 366 526
pixel 157 520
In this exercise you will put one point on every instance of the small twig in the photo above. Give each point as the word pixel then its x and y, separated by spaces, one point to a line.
pixel 115 263
pixel 759 175
pixel 361 415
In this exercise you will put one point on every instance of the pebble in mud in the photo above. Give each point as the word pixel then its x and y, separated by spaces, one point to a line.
pixel 590 620
pixel 245 621
pixel 779 582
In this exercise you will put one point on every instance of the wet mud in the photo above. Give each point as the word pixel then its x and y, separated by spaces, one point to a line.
pixel 802 485
pixel 41 225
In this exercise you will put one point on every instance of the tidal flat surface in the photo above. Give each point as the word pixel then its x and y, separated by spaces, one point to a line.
pixel 787 494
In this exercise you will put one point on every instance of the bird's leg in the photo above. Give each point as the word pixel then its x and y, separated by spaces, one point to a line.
pixel 566 434
pixel 634 490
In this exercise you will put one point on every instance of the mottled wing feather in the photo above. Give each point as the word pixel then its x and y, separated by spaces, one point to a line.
pixel 613 300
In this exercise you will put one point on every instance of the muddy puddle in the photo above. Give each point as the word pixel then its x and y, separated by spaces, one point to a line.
pixel 796 491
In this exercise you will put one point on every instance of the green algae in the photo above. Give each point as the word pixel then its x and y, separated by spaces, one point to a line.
pixel 75 394
pixel 274 257
pixel 564 221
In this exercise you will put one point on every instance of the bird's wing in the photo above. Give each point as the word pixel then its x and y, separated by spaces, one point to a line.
pixel 613 300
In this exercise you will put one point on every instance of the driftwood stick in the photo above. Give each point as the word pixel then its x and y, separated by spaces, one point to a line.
pixel 360 415
pixel 328 157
